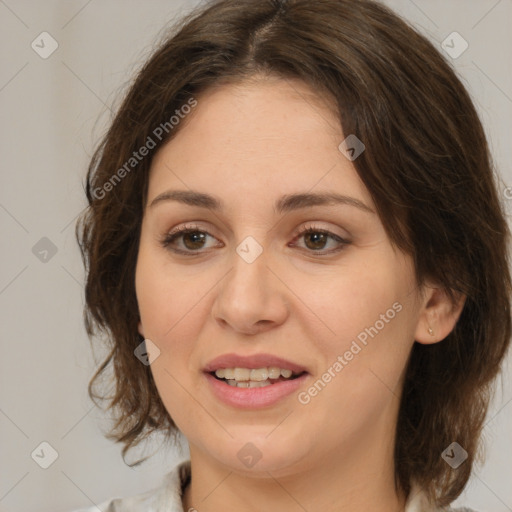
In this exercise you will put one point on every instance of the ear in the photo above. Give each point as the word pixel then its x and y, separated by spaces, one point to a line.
pixel 141 330
pixel 438 315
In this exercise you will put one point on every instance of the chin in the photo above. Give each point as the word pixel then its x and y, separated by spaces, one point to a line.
pixel 257 458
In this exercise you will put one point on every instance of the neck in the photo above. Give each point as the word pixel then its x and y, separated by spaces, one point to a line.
pixel 354 481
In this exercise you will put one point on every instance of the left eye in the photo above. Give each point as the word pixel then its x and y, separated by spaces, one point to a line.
pixel 193 240
pixel 316 239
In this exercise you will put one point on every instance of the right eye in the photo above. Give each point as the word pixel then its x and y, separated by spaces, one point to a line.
pixel 188 241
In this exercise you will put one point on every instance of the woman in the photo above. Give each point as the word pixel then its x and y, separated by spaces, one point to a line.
pixel 295 244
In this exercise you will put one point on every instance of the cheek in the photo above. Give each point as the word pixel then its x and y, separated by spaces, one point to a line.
pixel 360 301
pixel 166 297
pixel 173 309
pixel 169 307
pixel 368 325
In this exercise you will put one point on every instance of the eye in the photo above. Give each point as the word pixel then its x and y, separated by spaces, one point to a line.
pixel 192 240
pixel 317 240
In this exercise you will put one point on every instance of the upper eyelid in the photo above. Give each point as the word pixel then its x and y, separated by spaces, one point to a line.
pixel 190 227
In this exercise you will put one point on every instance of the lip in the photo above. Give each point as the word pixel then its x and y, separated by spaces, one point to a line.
pixel 253 398
pixel 253 361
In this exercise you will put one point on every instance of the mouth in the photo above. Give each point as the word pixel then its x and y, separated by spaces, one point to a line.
pixel 238 378
pixel 253 371
pixel 255 377
pixel 254 387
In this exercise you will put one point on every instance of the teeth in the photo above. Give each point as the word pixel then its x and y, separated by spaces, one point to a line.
pixel 260 374
pixel 253 384
pixel 274 372
pixel 250 384
pixel 242 374
pixel 255 375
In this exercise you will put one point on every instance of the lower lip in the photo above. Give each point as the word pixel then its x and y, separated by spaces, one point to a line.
pixel 252 398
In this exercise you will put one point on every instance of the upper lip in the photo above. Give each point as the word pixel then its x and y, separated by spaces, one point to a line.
pixel 253 361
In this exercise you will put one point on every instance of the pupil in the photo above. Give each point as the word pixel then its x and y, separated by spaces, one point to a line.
pixel 196 237
pixel 319 240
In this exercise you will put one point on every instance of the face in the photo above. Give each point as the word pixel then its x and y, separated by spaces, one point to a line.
pixel 235 273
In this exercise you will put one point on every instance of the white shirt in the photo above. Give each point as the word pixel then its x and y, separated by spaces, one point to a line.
pixel 167 497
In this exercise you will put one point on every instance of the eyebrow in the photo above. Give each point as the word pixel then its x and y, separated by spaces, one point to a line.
pixel 284 204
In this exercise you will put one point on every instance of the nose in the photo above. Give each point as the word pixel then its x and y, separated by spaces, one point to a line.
pixel 251 298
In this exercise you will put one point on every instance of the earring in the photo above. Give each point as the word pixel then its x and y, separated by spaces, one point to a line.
pixel 430 331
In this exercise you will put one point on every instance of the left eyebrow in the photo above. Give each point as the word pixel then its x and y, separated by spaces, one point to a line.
pixel 286 203
pixel 292 202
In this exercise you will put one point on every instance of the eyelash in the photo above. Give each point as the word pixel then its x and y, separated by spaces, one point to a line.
pixel 176 234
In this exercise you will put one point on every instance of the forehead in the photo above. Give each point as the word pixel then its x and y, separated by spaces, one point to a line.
pixel 261 137
pixel 250 115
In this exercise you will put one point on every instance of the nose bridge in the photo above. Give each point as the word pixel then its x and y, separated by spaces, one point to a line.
pixel 250 296
pixel 248 279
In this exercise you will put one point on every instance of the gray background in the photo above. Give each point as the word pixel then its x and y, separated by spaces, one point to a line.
pixel 53 112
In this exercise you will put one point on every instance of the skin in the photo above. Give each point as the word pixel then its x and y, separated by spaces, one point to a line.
pixel 248 145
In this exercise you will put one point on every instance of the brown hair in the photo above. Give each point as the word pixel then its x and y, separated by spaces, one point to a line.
pixel 426 166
